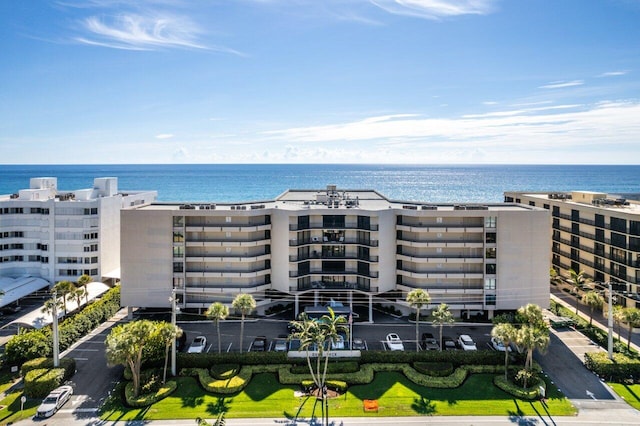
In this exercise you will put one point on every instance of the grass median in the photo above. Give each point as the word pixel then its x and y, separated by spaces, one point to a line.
pixel 265 397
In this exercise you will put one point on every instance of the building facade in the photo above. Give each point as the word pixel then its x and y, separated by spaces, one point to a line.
pixel 596 233
pixel 61 235
pixel 351 246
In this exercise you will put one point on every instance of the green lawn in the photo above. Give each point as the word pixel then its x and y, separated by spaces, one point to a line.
pixel 396 395
pixel 630 393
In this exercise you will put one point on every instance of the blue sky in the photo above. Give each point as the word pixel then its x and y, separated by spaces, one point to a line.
pixel 320 81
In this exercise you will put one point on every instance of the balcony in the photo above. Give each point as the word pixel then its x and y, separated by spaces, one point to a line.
pixel 319 256
pixel 318 240
pixel 230 227
pixel 420 228
pixel 321 285
pixel 312 226
pixel 226 242
pixel 440 274
pixel 314 271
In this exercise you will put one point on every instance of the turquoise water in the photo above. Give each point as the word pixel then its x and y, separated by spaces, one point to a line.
pixel 254 182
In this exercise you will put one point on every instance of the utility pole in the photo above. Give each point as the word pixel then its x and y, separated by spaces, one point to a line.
pixel 56 344
pixel 173 322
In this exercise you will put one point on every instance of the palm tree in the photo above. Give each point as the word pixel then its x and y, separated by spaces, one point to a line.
pixel 531 338
pixel 62 289
pixel 217 312
pixel 506 333
pixel 441 316
pixel 418 299
pixel 531 314
pixel 245 303
pixel 618 317
pixel 632 318
pixel 83 281
pixel 47 307
pixel 594 300
pixel 578 280
pixel 78 294
pixel 319 334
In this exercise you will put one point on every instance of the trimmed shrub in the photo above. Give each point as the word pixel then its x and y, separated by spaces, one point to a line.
pixel 619 370
pixel 67 364
pixel 336 385
pixel 146 399
pixel 436 369
pixel 40 381
pixel 225 387
pixel 529 393
pixel 332 368
pixel 224 371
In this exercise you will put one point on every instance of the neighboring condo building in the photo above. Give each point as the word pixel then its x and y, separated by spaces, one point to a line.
pixel 596 233
pixel 351 246
pixel 58 235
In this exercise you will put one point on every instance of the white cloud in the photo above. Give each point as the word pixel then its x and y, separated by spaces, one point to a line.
pixel 613 73
pixel 561 84
pixel 435 9
pixel 164 136
pixel 548 128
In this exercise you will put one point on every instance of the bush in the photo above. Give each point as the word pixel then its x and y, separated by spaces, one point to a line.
pixel 40 381
pixel 619 370
pixel 436 369
pixel 146 399
pixel 456 358
pixel 336 385
pixel 332 368
pixel 227 386
pixel 532 392
pixel 150 381
pixel 27 345
pixel 67 364
pixel 224 371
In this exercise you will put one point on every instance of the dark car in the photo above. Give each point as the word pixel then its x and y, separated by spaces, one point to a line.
pixel 429 342
pixel 259 344
pixel 358 344
pixel 448 343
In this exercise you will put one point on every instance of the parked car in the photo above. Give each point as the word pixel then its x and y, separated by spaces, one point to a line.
pixel 429 342
pixel 498 345
pixel 394 343
pixel 449 344
pixel 338 343
pixel 358 344
pixel 259 344
pixel 198 345
pixel 466 343
pixel 280 344
pixel 54 401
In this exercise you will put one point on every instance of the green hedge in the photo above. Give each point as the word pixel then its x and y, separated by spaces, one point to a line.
pixel 336 385
pixel 40 377
pixel 436 369
pixel 621 369
pixel 332 367
pixel 532 392
pixel 456 358
pixel 224 371
pixel 148 399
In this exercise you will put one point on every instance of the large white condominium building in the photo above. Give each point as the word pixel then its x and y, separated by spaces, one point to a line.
pixel 596 233
pixel 60 235
pixel 349 246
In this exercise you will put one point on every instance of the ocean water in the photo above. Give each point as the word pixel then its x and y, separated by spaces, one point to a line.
pixel 256 182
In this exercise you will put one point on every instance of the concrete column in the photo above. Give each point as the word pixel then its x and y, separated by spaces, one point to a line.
pixel 371 308
pixel 296 306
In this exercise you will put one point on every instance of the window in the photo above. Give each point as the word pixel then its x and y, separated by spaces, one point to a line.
pixel 575 215
pixel 575 228
pixel 490 268
pixel 333 221
pixel 178 221
pixel 227 219
pixel 618 240
pixel 600 235
pixel 490 222
pixel 491 238
pixel 178 267
pixel 532 203
pixel 490 253
pixel 178 251
pixel 178 237
pixel 599 221
pixel 618 224
pixel 490 299
pixel 303 222
pixel 634 227
pixel 490 284
pixel 364 222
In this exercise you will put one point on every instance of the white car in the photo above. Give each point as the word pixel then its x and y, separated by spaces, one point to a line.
pixel 466 343
pixel 54 401
pixel 394 343
pixel 498 345
pixel 338 343
pixel 198 345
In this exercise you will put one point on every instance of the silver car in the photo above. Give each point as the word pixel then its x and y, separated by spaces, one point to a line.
pixel 54 401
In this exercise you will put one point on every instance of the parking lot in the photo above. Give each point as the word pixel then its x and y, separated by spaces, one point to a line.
pixel 373 335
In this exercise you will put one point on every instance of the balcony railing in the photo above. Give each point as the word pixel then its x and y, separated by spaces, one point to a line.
pixel 319 256
pixel 311 226
pixel 320 285
pixel 298 274
pixel 358 241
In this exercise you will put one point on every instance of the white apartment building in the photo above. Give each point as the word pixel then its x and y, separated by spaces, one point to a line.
pixel 57 235
pixel 596 233
pixel 349 246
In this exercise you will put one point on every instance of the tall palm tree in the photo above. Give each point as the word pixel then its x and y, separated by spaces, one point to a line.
pixel 83 281
pixel 418 299
pixel 319 334
pixel 531 314
pixel 47 307
pixel 441 316
pixel 618 317
pixel 594 301
pixel 531 338
pixel 578 280
pixel 632 318
pixel 63 289
pixel 217 312
pixel 77 295
pixel 245 303
pixel 506 333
